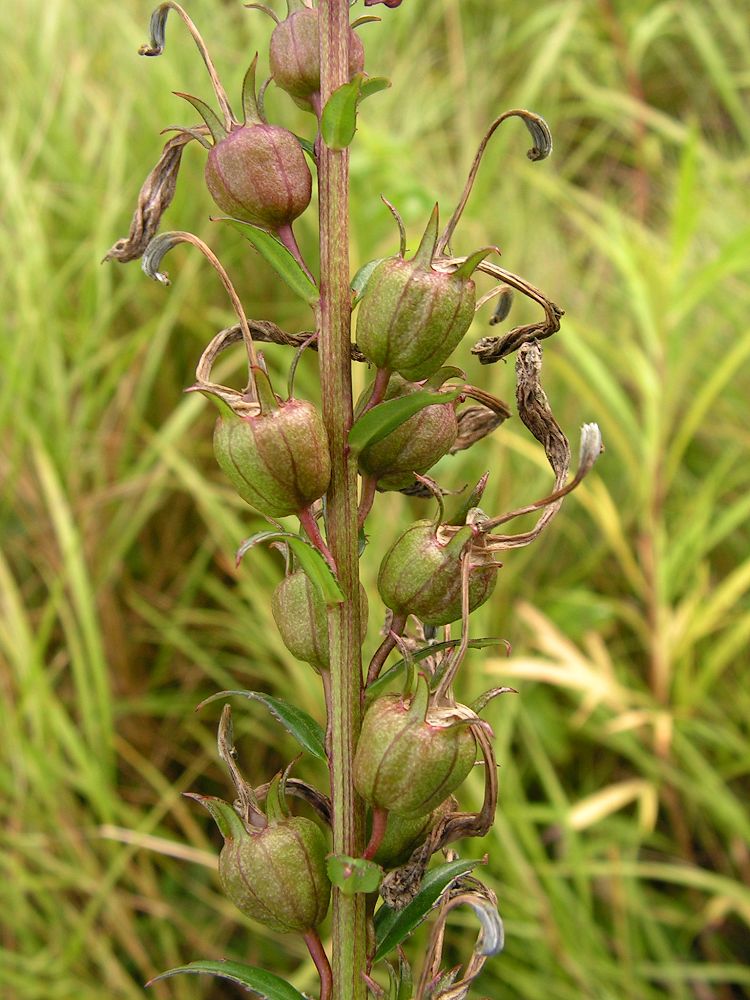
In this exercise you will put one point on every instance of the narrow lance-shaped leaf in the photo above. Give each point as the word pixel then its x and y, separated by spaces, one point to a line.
pixel 394 926
pixel 280 259
pixel 305 730
pixel 310 560
pixel 265 984
pixel 373 85
pixel 395 672
pixel 378 422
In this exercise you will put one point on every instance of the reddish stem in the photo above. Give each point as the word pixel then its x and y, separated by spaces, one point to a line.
pixel 369 487
pixel 308 522
pixel 286 235
pixel 318 955
pixel 379 824
pixel 381 654
pixel 379 387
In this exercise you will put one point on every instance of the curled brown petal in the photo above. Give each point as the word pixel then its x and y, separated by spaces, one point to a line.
pixel 154 199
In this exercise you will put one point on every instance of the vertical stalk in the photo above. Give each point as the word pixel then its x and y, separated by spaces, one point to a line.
pixel 348 930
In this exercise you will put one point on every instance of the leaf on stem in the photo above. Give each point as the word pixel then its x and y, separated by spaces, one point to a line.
pixel 360 279
pixel 353 875
pixel 394 926
pixel 309 558
pixel 378 422
pixel 339 119
pixel 396 671
pixel 305 730
pixel 280 259
pixel 265 984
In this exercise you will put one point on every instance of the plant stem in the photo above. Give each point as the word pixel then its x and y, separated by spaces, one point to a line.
pixel 308 522
pixel 318 955
pixel 334 316
pixel 369 488
pixel 398 624
pixel 379 825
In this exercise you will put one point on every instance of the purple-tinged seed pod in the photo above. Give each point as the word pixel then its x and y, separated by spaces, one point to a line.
pixel 407 764
pixel 294 55
pixel 411 315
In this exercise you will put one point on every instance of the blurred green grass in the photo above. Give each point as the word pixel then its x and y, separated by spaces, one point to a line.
pixel 620 852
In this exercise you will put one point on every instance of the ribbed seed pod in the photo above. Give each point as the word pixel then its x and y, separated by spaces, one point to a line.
pixel 278 459
pixel 403 836
pixel 272 866
pixel 278 875
pixel 294 55
pixel 412 316
pixel 404 763
pixel 421 575
pixel 258 174
pixel 415 446
pixel 300 615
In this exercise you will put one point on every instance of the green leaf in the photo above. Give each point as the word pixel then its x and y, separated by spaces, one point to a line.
pixel 353 875
pixel 378 422
pixel 394 926
pixel 306 731
pixel 265 984
pixel 229 823
pixel 373 85
pixel 310 560
pixel 309 147
pixel 338 122
pixel 395 672
pixel 280 259
pixel 363 275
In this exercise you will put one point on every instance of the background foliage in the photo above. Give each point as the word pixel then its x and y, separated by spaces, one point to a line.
pixel 620 852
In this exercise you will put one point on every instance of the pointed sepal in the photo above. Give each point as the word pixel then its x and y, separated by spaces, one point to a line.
pixel 229 823
pixel 209 116
pixel 426 250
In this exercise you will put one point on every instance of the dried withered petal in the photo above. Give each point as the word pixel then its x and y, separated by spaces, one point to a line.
pixel 154 199
pixel 475 423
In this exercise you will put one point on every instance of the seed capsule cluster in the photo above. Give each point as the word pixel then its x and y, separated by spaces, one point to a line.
pixel 416 747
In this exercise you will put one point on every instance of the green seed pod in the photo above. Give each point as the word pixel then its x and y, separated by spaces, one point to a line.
pixel 294 56
pixel 278 458
pixel 278 875
pixel 412 316
pixel 415 446
pixel 403 836
pixel 258 174
pixel 421 574
pixel 407 762
pixel 300 615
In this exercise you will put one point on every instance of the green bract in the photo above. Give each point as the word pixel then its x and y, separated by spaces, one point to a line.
pixel 412 316
pixel 421 574
pixel 415 446
pixel 300 615
pixel 406 762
